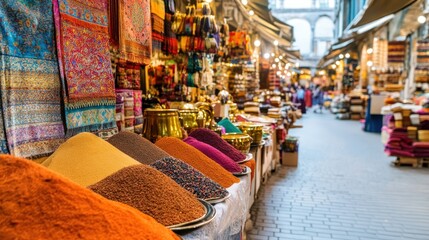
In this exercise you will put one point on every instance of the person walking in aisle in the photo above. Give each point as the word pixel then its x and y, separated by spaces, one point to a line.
pixel 308 98
pixel 318 99
pixel 300 93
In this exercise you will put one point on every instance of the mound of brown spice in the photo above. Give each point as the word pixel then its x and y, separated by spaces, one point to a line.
pixel 192 156
pixel 182 173
pixel 151 192
pixel 137 147
pixel 36 203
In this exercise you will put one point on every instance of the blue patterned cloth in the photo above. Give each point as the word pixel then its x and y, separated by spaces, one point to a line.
pixel 31 121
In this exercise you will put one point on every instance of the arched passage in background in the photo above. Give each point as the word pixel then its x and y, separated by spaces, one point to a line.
pixel 302 34
pixel 323 33
pixel 297 4
pixel 324 27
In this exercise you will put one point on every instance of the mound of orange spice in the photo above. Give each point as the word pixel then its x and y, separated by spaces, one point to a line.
pixel 185 152
pixel 36 203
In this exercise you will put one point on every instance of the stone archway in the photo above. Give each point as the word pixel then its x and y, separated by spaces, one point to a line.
pixel 302 32
pixel 323 35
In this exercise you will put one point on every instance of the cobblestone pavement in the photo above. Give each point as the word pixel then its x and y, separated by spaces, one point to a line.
pixel 344 188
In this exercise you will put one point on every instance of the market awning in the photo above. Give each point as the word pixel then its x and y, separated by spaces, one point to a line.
pixel 323 64
pixel 260 7
pixel 343 44
pixel 405 22
pixel 270 36
pixel 357 34
pixel 290 53
pixel 336 50
pixel 286 29
pixel 376 9
pixel 266 24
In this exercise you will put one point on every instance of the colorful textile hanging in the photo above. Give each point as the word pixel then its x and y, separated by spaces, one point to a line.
pixel 29 79
pixel 135 31
pixel 138 112
pixel 170 44
pixel 128 75
pixel 114 22
pixel 85 67
pixel 157 8
pixel 129 117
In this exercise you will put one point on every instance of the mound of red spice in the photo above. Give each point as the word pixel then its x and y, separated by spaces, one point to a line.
pixel 213 139
pixel 214 154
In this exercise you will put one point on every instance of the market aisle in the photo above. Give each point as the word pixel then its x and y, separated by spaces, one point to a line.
pixel 344 188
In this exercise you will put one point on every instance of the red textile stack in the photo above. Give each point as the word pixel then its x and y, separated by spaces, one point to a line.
pixel 399 144
pixel 421 149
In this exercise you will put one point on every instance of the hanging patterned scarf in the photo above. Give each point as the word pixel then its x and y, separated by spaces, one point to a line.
pixel 157 15
pixel 114 22
pixel 29 79
pixel 170 44
pixel 85 67
pixel 135 28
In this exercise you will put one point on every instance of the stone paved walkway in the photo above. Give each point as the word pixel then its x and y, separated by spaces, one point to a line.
pixel 344 188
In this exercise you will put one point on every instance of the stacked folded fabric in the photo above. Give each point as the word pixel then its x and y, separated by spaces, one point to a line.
pixel 274 113
pixel 421 149
pixel 252 108
pixel 412 132
pixel 399 144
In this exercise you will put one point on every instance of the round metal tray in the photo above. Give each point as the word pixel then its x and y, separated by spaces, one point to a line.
pixel 245 171
pixel 192 221
pixel 249 157
pixel 209 216
pixel 218 200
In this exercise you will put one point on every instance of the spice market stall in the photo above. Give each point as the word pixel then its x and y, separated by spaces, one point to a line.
pixel 130 137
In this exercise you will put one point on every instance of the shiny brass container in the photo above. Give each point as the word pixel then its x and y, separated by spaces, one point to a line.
pixel 160 123
pixel 207 110
pixel 233 110
pixel 240 141
pixel 188 118
pixel 254 130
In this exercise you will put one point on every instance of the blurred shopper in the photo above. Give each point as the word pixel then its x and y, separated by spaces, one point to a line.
pixel 308 98
pixel 318 98
pixel 300 94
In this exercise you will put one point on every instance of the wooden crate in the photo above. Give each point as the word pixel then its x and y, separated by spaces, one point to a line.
pixel 414 162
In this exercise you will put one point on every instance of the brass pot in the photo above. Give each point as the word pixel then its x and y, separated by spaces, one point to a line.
pixel 233 110
pixel 240 141
pixel 189 118
pixel 253 129
pixel 161 123
pixel 207 110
